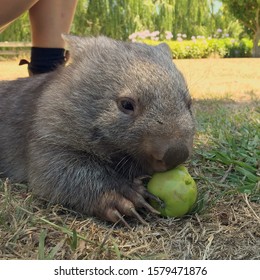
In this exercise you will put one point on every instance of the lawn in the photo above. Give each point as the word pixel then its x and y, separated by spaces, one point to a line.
pixel 225 165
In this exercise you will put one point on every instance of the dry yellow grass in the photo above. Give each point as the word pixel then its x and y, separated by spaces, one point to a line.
pixel 229 230
pixel 237 78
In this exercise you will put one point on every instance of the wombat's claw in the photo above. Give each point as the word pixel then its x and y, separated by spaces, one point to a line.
pixel 138 181
pixel 149 207
pixel 153 197
pixel 143 177
pixel 134 214
pixel 138 217
pixel 121 219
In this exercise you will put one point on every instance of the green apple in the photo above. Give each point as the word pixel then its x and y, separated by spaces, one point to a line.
pixel 177 190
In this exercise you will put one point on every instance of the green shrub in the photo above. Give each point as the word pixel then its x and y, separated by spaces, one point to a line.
pixel 242 48
pixel 218 47
pixel 203 48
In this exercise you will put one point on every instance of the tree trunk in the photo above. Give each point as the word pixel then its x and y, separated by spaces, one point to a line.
pixel 256 39
pixel 256 48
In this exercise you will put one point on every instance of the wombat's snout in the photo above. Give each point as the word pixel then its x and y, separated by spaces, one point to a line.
pixel 175 155
pixel 170 158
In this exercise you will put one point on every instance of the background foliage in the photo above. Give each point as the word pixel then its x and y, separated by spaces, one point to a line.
pixel 204 48
pixel 120 18
pixel 248 13
pixel 193 18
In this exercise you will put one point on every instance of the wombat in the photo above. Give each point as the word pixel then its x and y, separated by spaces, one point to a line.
pixel 85 134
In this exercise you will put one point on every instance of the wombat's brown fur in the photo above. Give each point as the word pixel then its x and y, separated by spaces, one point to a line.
pixel 82 134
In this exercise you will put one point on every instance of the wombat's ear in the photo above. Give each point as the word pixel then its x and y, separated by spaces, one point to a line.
pixel 75 44
pixel 165 49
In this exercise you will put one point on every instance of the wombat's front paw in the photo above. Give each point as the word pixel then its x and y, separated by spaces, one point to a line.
pixel 113 206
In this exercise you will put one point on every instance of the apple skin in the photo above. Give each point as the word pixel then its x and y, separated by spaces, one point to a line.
pixel 177 190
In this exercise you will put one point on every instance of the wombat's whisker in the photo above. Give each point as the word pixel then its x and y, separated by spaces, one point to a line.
pixel 120 165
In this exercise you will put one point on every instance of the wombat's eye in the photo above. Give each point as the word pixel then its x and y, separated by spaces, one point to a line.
pixel 126 105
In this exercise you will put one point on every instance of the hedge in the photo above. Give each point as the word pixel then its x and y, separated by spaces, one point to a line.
pixel 204 48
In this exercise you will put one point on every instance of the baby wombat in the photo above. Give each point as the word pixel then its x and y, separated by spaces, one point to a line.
pixel 83 135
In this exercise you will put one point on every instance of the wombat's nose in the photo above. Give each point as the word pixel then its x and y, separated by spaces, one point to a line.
pixel 172 157
pixel 175 155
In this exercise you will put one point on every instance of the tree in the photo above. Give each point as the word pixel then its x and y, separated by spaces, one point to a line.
pixel 248 13
pixel 120 18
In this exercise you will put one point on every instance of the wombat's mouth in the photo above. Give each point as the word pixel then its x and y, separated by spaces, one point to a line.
pixel 158 166
pixel 152 166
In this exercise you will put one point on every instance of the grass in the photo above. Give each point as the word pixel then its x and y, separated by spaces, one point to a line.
pixel 232 151
pixel 224 225
pixel 225 168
